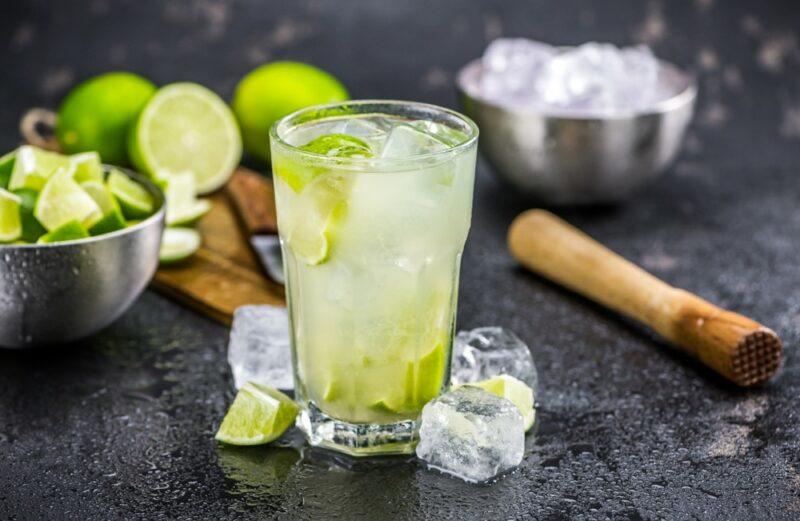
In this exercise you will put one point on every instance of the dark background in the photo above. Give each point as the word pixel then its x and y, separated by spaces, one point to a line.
pixel 121 426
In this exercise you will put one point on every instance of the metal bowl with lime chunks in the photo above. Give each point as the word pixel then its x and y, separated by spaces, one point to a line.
pixel 59 292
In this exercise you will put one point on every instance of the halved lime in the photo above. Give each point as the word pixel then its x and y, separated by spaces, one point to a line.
pixel 178 244
pixel 63 200
pixel 184 127
pixel 111 222
pixel 183 208
pixel 10 223
pixel 135 201
pixel 102 196
pixel 88 167
pixel 31 229
pixel 69 231
pixel 513 390
pixel 259 414
pixel 34 166
pixel 6 166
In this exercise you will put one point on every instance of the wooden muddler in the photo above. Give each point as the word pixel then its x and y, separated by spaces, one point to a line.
pixel 738 348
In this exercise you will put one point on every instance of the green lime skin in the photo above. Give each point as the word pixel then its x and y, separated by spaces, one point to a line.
pixel 274 90
pixel 98 113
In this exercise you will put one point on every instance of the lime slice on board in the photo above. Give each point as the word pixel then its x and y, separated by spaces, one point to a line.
pixel 178 244
pixel 88 167
pixel 187 127
pixel 63 200
pixel 31 229
pixel 34 166
pixel 513 390
pixel 135 201
pixel 259 414
pixel 10 222
pixel 69 231
pixel 183 208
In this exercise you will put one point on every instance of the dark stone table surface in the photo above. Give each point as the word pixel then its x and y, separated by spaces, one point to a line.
pixel 121 425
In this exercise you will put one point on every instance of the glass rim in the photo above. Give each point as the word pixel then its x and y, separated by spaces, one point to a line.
pixel 282 126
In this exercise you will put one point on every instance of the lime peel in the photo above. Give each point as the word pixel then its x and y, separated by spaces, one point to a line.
pixel 258 415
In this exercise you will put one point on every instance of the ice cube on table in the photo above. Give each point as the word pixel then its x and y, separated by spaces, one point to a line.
pixel 407 140
pixel 259 349
pixel 471 434
pixel 485 352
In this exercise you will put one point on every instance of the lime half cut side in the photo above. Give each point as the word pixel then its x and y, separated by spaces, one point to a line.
pixel 186 127
pixel 513 390
pixel 10 222
pixel 178 244
pixel 259 414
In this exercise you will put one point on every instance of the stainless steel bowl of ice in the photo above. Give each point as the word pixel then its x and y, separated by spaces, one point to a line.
pixel 64 291
pixel 562 150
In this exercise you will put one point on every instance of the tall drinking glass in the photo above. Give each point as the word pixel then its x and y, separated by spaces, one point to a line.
pixel 374 201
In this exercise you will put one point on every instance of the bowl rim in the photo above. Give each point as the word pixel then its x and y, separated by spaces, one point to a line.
pixel 158 216
pixel 684 97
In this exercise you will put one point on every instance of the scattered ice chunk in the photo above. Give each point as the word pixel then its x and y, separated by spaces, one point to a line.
pixel 259 349
pixel 590 78
pixel 369 130
pixel 471 434
pixel 490 351
pixel 406 141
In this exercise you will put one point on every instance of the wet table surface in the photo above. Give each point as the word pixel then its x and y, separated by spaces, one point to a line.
pixel 121 425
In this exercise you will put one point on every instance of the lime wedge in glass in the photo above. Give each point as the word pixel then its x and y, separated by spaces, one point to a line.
pixel 111 222
pixel 63 200
pixel 178 244
pixel 34 166
pixel 183 207
pixel 259 414
pixel 6 167
pixel 88 167
pixel 135 201
pixel 513 390
pixel 187 127
pixel 10 223
pixel 31 229
pixel 69 231
pixel 297 175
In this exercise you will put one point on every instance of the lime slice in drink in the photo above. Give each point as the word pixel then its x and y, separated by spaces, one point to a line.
pixel 101 195
pixel 298 175
pixel 34 166
pixel 513 390
pixel 10 223
pixel 187 127
pixel 69 231
pixel 135 201
pixel 178 244
pixel 6 166
pixel 111 222
pixel 31 229
pixel 88 167
pixel 183 208
pixel 63 200
pixel 259 414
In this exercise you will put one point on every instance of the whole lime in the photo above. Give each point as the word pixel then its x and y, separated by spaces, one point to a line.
pixel 97 114
pixel 274 90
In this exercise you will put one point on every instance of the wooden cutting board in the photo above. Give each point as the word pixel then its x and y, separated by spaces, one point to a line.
pixel 225 273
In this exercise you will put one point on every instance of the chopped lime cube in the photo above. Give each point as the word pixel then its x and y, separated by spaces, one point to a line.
pixel 183 207
pixel 63 200
pixel 34 166
pixel 111 222
pixel 259 414
pixel 70 231
pixel 6 166
pixel 10 223
pixel 101 195
pixel 31 229
pixel 135 201
pixel 88 167
pixel 178 244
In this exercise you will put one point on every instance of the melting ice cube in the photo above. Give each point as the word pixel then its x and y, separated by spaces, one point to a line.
pixel 406 141
pixel 471 434
pixel 490 351
pixel 258 349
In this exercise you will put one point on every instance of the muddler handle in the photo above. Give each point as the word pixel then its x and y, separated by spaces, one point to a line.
pixel 738 348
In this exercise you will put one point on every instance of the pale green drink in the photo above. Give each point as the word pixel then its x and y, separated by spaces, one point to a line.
pixel 374 202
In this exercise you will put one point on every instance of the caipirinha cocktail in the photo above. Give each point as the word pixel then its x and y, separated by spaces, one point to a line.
pixel 374 202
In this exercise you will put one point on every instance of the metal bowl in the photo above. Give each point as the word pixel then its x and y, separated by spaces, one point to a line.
pixel 54 293
pixel 561 159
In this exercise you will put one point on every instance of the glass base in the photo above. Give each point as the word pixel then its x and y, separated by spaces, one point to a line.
pixel 358 439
